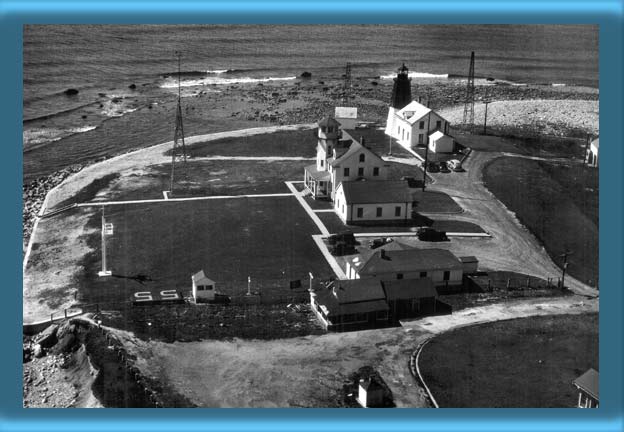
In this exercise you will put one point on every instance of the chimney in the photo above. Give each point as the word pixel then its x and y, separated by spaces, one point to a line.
pixel 382 254
pixel 362 141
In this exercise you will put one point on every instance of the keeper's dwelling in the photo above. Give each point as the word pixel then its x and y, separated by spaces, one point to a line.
pixel 411 123
pixel 373 201
pixel 340 157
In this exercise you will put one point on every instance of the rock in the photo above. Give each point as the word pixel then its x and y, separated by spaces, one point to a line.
pixel 71 92
pixel 132 86
pixel 306 75
pixel 38 351
pixel 47 338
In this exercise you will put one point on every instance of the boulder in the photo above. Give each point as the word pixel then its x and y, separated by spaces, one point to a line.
pixel 47 338
pixel 306 75
pixel 71 92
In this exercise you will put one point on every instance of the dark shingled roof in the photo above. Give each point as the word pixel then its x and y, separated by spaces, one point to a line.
pixel 588 382
pixel 353 296
pixel 328 121
pixel 377 192
pixel 405 289
pixel 409 260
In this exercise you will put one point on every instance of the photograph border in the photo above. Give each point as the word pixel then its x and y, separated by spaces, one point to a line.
pixel 608 14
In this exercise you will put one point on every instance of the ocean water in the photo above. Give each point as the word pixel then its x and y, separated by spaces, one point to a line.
pixel 101 61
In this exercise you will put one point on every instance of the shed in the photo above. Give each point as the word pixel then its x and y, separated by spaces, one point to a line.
pixel 370 392
pixel 470 264
pixel 440 143
pixel 592 153
pixel 588 385
pixel 203 287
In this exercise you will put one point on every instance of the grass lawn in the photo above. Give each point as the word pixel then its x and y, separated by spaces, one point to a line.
pixel 267 239
pixel 282 143
pixel 518 140
pixel 205 178
pixel 558 203
pixel 520 363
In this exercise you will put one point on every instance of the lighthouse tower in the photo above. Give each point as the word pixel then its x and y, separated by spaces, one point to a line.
pixel 401 96
pixel 402 90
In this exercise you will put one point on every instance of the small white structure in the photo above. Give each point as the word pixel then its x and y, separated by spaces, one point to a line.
pixel 440 143
pixel 592 153
pixel 370 393
pixel 347 117
pixel 203 287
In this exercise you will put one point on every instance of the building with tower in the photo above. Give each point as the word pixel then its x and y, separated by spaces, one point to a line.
pixel 411 123
pixel 340 157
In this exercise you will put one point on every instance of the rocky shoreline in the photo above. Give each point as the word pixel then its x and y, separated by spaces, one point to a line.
pixel 33 196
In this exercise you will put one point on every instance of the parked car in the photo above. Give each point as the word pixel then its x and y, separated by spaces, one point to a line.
pixel 346 237
pixel 433 167
pixel 455 165
pixel 430 234
pixel 444 168
pixel 375 243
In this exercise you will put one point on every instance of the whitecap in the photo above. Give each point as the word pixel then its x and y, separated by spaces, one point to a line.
pixel 222 81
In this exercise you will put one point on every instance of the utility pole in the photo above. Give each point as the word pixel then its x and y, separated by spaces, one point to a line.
pixel 346 90
pixel 486 100
pixel 107 229
pixel 426 153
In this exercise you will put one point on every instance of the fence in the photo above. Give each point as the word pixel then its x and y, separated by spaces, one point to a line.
pixel 489 284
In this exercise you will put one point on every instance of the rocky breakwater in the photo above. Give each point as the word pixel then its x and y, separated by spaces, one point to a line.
pixel 34 194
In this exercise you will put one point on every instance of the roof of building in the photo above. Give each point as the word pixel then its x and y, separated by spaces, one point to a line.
pixel 596 143
pixel 405 289
pixel 370 384
pixel 201 277
pixel 316 174
pixel 357 290
pixel 413 111
pixel 409 260
pixel 437 135
pixel 468 259
pixel 345 112
pixel 328 121
pixel 588 382
pixel 354 148
pixel 376 192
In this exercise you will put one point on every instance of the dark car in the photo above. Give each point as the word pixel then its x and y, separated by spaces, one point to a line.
pixel 433 167
pixel 430 234
pixel 444 167
pixel 345 237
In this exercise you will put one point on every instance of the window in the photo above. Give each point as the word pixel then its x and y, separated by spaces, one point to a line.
pixel 447 275
pixel 360 172
pixel 423 274
pixel 360 212
pixel 422 125
pixel 343 208
pixel 362 157
pixel 330 129
pixel 408 135
pixel 420 138
pixel 322 163
pixel 379 211
pixel 399 275
pixel 376 171
pixel 397 211
pixel 439 124
pixel 346 172
pixel 323 129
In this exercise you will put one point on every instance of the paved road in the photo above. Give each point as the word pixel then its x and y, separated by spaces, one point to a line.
pixel 512 246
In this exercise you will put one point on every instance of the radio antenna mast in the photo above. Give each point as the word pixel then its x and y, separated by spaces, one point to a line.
pixel 178 136
pixel 469 105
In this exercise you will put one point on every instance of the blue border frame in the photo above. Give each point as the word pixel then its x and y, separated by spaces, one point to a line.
pixel 606 13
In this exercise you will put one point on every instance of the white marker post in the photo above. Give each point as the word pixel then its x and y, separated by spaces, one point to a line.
pixel 311 277
pixel 107 229
pixel 248 285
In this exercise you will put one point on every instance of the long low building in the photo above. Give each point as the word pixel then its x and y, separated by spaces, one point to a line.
pixel 346 305
pixel 373 201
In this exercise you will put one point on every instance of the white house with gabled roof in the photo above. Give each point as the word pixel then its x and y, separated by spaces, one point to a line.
pixel 340 157
pixel 411 125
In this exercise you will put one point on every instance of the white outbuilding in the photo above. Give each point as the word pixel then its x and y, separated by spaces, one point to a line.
pixel 440 143
pixel 203 287
pixel 346 116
